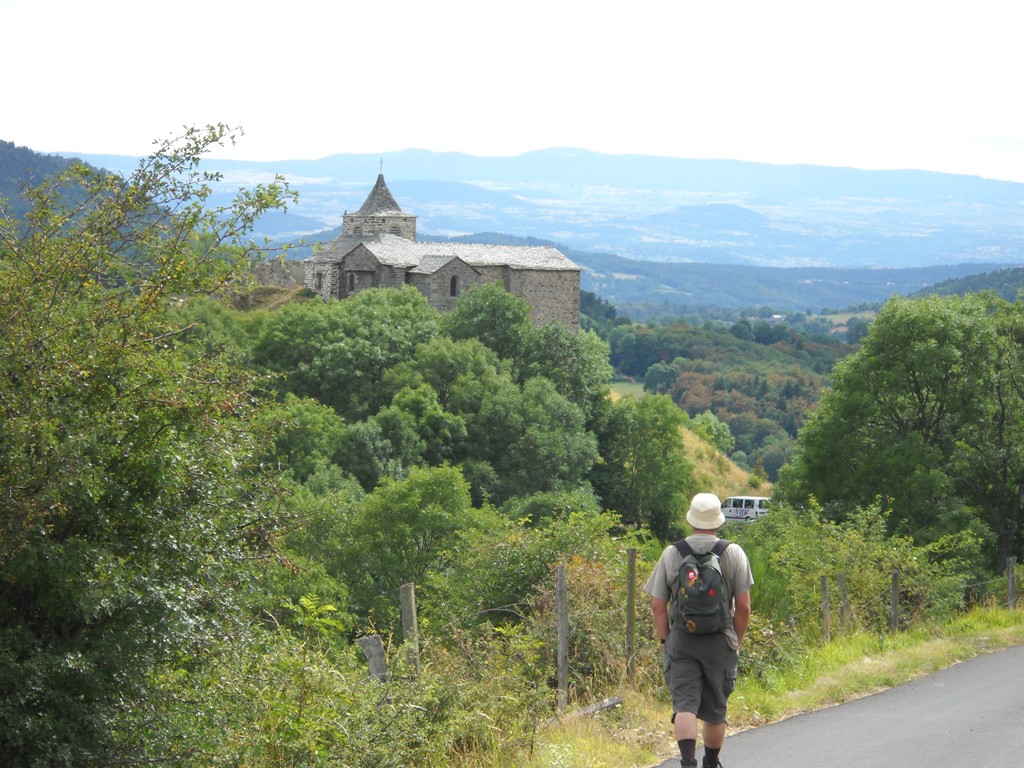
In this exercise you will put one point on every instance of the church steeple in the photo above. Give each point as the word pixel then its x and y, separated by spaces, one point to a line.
pixel 379 214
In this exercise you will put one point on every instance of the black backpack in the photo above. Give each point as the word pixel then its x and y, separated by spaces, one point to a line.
pixel 699 606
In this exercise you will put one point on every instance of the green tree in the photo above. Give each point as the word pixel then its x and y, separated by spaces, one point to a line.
pixel 660 377
pixel 291 340
pixel 918 394
pixel 300 435
pixel 314 544
pixel 497 565
pixel 534 438
pixel 338 352
pixel 401 533
pixel 510 439
pixel 576 362
pixel 856 329
pixel 990 467
pixel 492 315
pixel 212 322
pixel 125 500
pixel 413 431
pixel 443 434
pixel 643 474
pixel 370 455
pixel 743 330
pixel 714 432
pixel 460 372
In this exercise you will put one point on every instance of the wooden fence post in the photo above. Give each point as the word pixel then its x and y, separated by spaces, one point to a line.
pixel 562 610
pixel 630 615
pixel 373 650
pixel 826 624
pixel 844 605
pixel 894 602
pixel 410 627
pixel 1011 582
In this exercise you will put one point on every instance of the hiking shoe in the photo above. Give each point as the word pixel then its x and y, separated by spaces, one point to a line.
pixel 717 764
pixel 688 763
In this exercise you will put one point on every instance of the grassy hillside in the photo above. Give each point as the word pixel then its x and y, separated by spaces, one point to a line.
pixel 712 471
pixel 716 474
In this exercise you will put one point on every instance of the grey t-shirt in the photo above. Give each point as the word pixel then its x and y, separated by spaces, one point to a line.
pixel 735 570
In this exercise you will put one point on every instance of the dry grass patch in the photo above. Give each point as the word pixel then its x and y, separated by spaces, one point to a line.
pixel 268 297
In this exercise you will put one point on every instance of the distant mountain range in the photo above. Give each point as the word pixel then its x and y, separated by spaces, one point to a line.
pixel 676 231
pixel 668 209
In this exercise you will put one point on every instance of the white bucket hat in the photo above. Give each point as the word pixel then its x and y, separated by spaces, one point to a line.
pixel 706 512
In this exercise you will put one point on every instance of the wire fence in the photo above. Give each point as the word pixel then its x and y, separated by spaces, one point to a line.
pixel 837 613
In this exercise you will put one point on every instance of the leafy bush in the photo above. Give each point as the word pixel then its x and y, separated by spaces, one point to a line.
pixel 769 647
pixel 790 551
pixel 127 492
pixel 597 627
pixel 496 567
pixel 299 695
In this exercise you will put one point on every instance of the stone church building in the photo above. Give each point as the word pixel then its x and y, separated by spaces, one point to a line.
pixel 378 248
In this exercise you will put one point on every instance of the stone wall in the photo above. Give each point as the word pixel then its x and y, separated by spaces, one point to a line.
pixel 439 285
pixel 280 272
pixel 391 277
pixel 323 279
pixel 552 295
pixel 403 226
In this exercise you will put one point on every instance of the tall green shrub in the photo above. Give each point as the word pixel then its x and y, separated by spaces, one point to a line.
pixel 126 493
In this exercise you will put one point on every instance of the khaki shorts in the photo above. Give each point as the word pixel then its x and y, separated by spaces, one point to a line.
pixel 700 672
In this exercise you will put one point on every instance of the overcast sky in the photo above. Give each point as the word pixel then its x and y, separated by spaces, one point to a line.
pixel 927 84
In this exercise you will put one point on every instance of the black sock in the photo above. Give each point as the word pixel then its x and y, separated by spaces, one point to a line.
pixel 688 749
pixel 711 756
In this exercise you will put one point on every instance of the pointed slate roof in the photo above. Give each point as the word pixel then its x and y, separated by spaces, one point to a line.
pixel 380 202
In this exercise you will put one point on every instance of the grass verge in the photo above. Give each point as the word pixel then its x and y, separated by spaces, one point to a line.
pixel 637 734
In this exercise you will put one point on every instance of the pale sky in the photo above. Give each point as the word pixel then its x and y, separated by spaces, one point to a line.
pixel 925 84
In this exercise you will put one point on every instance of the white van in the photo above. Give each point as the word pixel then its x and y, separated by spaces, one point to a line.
pixel 745 507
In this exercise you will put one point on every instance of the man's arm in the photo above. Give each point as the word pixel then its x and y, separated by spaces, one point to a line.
pixel 741 617
pixel 660 610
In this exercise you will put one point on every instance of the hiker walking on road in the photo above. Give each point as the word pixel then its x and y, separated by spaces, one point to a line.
pixel 701 612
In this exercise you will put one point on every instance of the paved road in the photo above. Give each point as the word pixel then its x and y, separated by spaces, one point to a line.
pixel 971 714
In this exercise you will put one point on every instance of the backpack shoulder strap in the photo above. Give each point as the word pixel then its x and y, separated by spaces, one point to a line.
pixel 684 548
pixel 720 546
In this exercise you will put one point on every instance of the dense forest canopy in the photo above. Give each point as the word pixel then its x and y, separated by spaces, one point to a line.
pixel 758 373
pixel 21 168
pixel 1006 283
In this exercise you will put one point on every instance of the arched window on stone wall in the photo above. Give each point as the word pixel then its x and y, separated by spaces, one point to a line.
pixel 351 283
pixel 453 286
pixel 318 281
